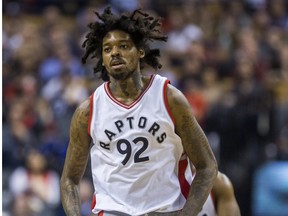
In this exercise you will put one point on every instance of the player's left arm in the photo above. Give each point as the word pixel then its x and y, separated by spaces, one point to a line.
pixel 226 203
pixel 196 147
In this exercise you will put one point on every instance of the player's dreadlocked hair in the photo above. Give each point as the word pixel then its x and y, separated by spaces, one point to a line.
pixel 140 26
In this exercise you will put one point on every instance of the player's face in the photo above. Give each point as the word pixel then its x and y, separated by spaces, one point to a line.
pixel 120 55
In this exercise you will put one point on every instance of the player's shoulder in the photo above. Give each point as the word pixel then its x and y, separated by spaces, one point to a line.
pixel 83 109
pixel 176 99
pixel 84 105
pixel 223 179
pixel 222 184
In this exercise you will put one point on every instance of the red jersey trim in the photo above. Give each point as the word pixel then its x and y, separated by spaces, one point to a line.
pixel 166 101
pixel 213 200
pixel 108 92
pixel 93 203
pixel 90 113
pixel 184 184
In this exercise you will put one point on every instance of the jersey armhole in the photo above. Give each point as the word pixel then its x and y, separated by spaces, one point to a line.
pixel 166 100
pixel 213 200
pixel 90 113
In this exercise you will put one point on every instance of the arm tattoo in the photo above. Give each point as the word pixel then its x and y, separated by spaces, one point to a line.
pixel 76 160
pixel 198 150
pixel 202 183
pixel 70 196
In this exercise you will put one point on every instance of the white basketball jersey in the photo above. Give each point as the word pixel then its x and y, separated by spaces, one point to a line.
pixel 135 156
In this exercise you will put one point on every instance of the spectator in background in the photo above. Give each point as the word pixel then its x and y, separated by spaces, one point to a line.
pixel 61 59
pixel 86 196
pixel 20 206
pixel 24 126
pixel 212 88
pixel 181 34
pixel 37 183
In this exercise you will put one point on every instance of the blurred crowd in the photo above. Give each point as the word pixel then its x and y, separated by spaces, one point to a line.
pixel 230 59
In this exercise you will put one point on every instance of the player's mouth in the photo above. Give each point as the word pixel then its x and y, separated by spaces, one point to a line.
pixel 116 64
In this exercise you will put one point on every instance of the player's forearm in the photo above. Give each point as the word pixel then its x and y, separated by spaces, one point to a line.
pixel 70 198
pixel 199 191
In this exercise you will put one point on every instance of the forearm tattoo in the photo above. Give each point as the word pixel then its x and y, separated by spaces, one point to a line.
pixel 76 160
pixel 198 150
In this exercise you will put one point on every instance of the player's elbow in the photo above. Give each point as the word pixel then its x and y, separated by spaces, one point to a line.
pixel 209 168
pixel 213 167
pixel 65 182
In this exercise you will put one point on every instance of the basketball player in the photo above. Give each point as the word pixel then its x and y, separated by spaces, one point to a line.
pixel 221 201
pixel 140 128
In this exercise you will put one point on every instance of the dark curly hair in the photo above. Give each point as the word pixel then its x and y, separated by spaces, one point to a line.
pixel 139 25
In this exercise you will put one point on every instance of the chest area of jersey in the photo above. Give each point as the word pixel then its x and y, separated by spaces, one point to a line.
pixel 130 134
pixel 131 125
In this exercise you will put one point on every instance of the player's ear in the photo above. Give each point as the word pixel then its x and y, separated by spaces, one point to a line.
pixel 142 53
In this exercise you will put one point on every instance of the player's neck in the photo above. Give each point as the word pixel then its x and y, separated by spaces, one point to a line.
pixel 129 89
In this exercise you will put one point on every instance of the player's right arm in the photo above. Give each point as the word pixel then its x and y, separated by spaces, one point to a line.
pixel 224 195
pixel 76 160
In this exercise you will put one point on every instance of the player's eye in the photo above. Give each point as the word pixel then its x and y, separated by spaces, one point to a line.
pixel 107 50
pixel 123 46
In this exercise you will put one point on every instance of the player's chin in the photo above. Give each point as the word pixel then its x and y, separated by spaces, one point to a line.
pixel 120 75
